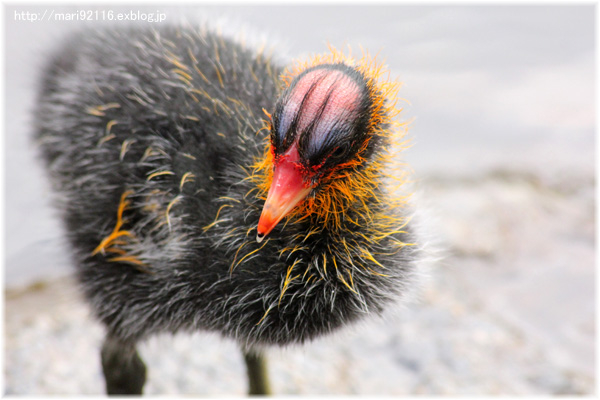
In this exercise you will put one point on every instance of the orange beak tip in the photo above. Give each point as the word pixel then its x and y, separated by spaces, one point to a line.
pixel 286 192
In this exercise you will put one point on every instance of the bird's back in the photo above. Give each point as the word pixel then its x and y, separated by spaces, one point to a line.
pixel 141 106
pixel 151 120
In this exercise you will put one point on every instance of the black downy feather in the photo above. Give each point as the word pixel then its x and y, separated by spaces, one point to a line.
pixel 164 121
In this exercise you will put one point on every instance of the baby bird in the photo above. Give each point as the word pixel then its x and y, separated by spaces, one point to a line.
pixel 204 187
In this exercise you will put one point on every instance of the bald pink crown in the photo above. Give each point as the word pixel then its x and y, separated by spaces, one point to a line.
pixel 322 100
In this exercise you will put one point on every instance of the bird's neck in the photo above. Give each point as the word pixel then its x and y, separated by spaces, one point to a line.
pixel 352 223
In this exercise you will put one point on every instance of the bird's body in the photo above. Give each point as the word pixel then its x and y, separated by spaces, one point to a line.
pixel 161 145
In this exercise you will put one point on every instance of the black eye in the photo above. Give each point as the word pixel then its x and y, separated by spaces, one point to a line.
pixel 340 152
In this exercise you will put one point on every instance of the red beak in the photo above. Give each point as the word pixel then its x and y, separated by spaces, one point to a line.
pixel 286 192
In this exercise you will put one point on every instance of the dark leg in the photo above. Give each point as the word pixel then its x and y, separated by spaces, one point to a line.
pixel 124 370
pixel 258 378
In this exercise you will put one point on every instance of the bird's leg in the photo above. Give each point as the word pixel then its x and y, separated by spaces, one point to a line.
pixel 258 378
pixel 124 370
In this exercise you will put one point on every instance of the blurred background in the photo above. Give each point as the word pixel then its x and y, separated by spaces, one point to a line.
pixel 501 104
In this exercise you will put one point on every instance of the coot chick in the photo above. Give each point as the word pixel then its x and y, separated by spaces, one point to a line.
pixel 205 187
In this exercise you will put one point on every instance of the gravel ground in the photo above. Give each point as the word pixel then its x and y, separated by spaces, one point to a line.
pixel 508 310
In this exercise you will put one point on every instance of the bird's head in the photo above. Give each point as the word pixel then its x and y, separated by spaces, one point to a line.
pixel 325 128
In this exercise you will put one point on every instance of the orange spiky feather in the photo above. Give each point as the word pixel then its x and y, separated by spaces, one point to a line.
pixel 348 183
